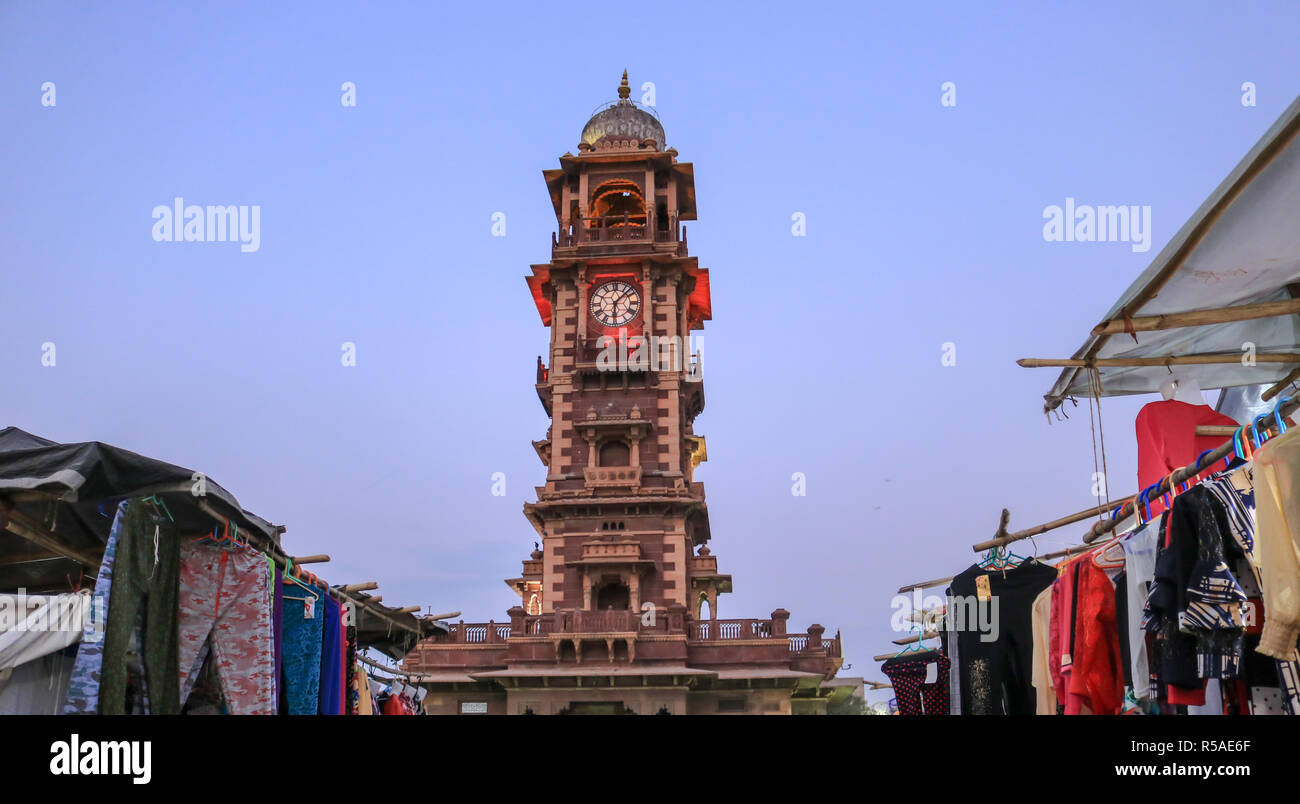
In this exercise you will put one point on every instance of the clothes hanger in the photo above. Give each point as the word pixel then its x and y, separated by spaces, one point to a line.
pixel 158 503
pixel 995 558
pixel 291 577
pixel 1241 445
pixel 1103 559
pixel 1173 491
pixel 1277 414
pixel 213 538
pixel 914 647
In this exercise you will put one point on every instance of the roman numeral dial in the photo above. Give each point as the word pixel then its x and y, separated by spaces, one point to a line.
pixel 614 304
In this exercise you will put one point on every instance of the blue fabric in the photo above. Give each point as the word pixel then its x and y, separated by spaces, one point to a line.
pixel 301 651
pixel 331 661
pixel 83 684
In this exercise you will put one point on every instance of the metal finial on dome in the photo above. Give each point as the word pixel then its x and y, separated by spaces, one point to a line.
pixel 624 91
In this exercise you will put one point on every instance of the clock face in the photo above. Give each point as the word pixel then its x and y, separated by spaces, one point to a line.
pixel 615 303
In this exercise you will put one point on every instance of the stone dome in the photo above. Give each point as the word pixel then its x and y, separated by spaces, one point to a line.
pixel 623 120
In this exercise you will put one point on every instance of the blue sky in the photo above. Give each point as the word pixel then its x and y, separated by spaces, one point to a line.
pixel 924 227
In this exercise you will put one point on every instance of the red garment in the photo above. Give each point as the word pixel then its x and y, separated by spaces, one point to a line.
pixel 396 706
pixel 1187 696
pixel 1097 676
pixel 1167 440
pixel 1058 629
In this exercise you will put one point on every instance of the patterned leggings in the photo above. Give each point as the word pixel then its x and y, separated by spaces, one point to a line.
pixel 226 600
pixel 301 649
pixel 914 696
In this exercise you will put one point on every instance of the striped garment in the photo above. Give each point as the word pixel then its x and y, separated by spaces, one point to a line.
pixel 1234 490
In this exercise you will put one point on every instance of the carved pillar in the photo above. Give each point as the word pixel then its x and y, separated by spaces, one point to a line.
pixel 634 592
pixel 676 618
pixel 815 632
pixel 609 646
pixel 586 591
pixel 648 278
pixel 713 602
pixel 581 285
pixel 779 618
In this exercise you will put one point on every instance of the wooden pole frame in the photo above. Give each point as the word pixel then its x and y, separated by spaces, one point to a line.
pixel 1198 318
pixel 1167 360
pixel 1079 516
pixel 25 527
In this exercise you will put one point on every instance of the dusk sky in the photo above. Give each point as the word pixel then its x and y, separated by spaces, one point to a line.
pixel 924 227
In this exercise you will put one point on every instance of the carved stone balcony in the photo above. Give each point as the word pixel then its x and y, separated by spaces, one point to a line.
pixel 614 552
pixel 592 237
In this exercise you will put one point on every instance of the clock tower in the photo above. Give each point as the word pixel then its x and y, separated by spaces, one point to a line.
pixel 620 515
pixel 618 602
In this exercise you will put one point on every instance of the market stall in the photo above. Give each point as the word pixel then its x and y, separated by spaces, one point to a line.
pixel 1184 595
pixel 131 585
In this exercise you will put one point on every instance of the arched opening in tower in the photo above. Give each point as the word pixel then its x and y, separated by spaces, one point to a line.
pixel 616 203
pixel 614 453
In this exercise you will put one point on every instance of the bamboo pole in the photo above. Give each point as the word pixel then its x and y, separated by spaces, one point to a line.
pixel 23 526
pixel 384 667
pixel 360 587
pixel 319 558
pixel 925 584
pixel 1167 360
pixel 1197 318
pixel 884 657
pixel 29 558
pixel 1067 552
pixel 1221 430
pixel 914 638
pixel 1086 513
pixel 1281 384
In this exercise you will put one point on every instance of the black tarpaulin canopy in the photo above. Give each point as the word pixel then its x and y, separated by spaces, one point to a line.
pixel 68 491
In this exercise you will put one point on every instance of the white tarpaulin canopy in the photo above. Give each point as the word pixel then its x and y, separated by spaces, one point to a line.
pixel 1242 247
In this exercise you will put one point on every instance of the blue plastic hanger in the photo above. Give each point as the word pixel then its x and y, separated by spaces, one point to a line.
pixel 1277 414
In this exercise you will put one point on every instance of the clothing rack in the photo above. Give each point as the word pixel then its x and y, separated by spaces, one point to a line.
pixel 283 561
pixel 884 657
pixel 1003 537
pixel 1066 553
pixel 384 667
pixel 914 638
pixel 1125 509
pixel 908 640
